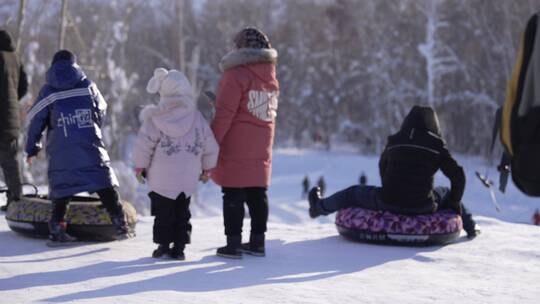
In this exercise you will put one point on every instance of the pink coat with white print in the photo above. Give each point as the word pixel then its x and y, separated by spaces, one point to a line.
pixel 174 145
pixel 246 109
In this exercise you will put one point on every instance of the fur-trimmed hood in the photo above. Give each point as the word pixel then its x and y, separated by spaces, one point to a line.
pixel 248 56
pixel 172 116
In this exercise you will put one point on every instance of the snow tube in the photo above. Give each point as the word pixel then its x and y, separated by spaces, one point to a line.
pixel 86 217
pixel 383 227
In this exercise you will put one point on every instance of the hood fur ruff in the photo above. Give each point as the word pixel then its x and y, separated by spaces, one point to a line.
pixel 246 56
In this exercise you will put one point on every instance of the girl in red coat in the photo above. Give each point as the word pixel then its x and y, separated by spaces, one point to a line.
pixel 246 107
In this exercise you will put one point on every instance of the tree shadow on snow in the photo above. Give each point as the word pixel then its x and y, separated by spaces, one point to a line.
pixel 292 262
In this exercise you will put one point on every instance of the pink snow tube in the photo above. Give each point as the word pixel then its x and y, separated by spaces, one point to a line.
pixel 384 227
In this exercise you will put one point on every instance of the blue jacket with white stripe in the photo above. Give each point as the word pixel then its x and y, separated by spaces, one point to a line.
pixel 71 109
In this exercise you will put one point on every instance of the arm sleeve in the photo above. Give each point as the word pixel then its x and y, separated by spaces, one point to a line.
pixel 228 100
pixel 22 89
pixel 211 149
pixel 100 104
pixel 145 144
pixel 36 126
pixel 455 173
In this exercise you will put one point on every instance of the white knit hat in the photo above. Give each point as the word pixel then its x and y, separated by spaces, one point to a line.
pixel 169 83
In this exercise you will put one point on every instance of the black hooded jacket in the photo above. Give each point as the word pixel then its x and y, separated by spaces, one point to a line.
pixel 410 160
pixel 13 86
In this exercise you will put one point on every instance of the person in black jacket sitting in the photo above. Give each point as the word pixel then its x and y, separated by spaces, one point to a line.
pixel 407 166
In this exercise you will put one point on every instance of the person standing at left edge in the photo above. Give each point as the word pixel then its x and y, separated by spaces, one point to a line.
pixel 72 110
pixel 13 86
pixel 246 109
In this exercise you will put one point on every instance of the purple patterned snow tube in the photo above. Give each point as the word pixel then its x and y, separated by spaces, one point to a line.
pixel 385 227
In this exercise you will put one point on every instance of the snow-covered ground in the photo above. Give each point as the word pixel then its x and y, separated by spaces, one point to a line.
pixel 306 262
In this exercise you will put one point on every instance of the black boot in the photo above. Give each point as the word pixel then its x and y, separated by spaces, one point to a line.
pixel 122 229
pixel 162 250
pixel 177 252
pixel 255 246
pixel 57 232
pixel 314 202
pixel 470 226
pixel 233 249
pixel 10 199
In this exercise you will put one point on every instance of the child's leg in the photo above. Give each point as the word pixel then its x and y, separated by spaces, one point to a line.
pixel 233 215
pixel 110 198
pixel 354 196
pixel 469 225
pixel 183 226
pixel 59 207
pixel 233 210
pixel 164 211
pixel 57 229
pixel 257 202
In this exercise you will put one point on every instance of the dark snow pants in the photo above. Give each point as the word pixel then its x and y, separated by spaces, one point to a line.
pixel 171 223
pixel 10 167
pixel 367 197
pixel 233 209
pixel 109 198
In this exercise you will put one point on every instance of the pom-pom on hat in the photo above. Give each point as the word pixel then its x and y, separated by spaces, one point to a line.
pixel 169 83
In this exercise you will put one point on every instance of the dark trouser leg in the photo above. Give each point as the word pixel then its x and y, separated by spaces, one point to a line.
pixel 441 194
pixel 59 207
pixel 257 202
pixel 110 198
pixel 233 210
pixel 354 196
pixel 57 226
pixel 182 225
pixel 11 170
pixel 164 222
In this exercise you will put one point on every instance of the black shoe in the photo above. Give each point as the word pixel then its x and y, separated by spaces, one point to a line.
pixel 177 252
pixel 229 252
pixel 162 250
pixel 473 232
pixel 57 233
pixel 253 250
pixel 233 250
pixel 255 246
pixel 314 199
pixel 123 230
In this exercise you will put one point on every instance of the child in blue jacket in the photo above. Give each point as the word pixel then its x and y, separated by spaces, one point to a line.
pixel 71 109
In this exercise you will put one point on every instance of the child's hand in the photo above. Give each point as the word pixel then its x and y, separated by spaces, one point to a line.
pixel 205 176
pixel 140 174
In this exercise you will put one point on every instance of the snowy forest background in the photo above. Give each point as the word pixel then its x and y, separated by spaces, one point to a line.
pixel 349 70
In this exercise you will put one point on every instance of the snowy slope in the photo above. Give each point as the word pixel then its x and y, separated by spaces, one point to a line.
pixel 307 261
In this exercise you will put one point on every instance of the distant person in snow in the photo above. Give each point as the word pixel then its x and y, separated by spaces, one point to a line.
pixel 407 166
pixel 174 149
pixel 536 218
pixel 363 179
pixel 321 183
pixel 305 186
pixel 246 109
pixel 13 86
pixel 71 109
